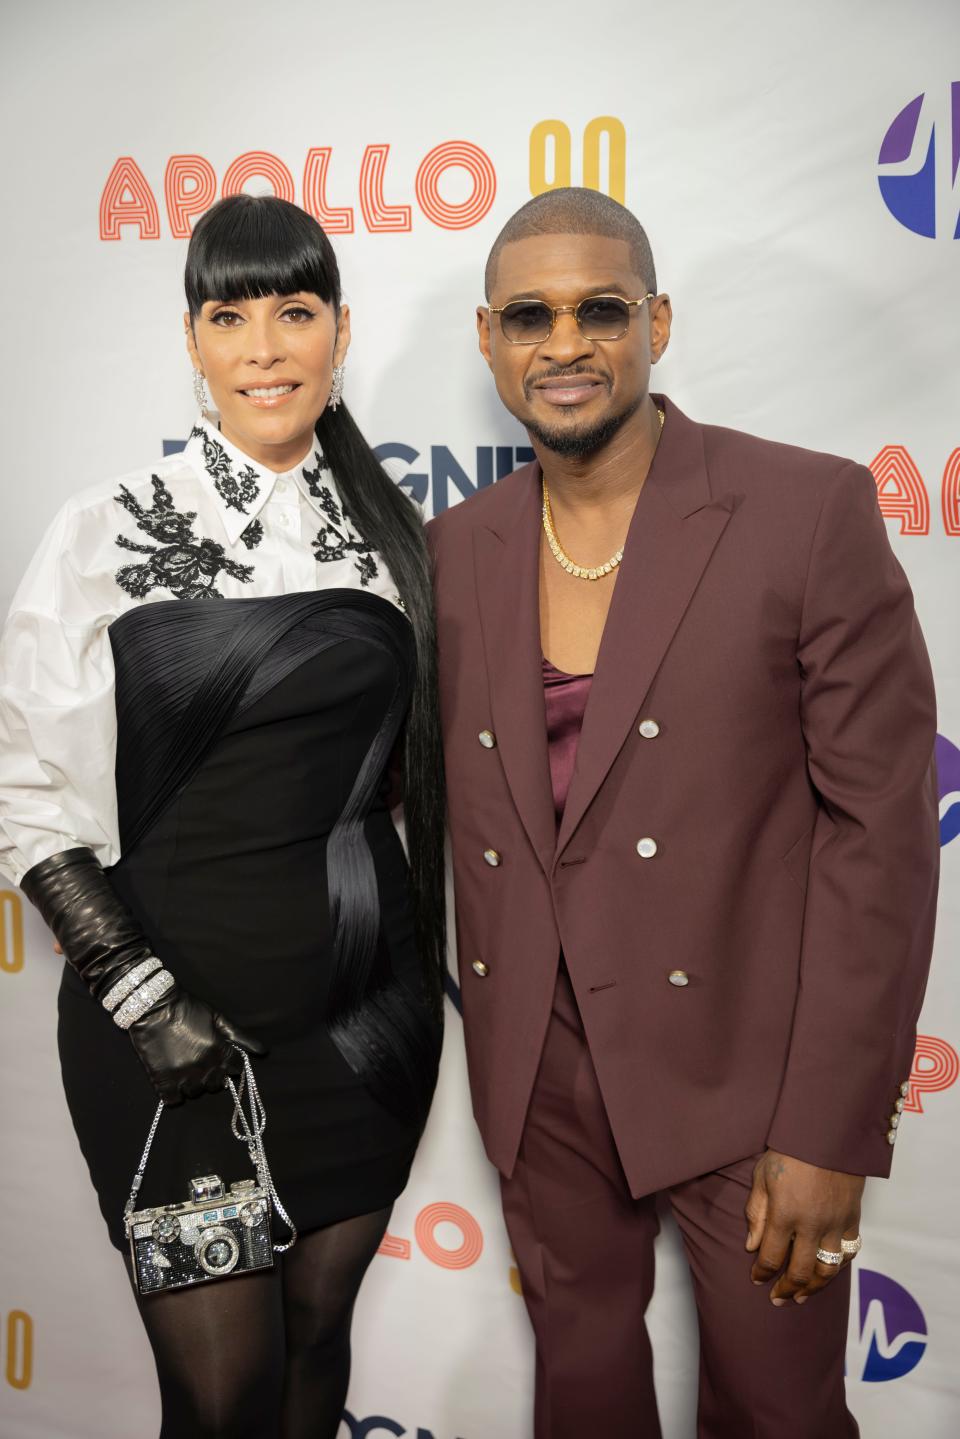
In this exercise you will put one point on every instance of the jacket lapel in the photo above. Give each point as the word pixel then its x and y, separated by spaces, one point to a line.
pixel 506 557
pixel 675 528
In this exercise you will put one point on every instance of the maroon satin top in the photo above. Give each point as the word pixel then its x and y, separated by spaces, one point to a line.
pixel 565 698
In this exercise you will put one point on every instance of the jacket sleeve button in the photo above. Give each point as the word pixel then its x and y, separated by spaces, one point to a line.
pixel 480 968
pixel 891 1136
pixel 679 977
pixel 492 857
pixel 487 738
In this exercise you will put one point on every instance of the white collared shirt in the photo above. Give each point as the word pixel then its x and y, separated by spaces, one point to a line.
pixel 206 522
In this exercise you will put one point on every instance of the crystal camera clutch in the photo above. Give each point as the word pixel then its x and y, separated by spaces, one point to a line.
pixel 214 1233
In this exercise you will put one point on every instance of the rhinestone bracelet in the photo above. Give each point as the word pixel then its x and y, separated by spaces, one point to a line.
pixel 144 998
pixel 130 981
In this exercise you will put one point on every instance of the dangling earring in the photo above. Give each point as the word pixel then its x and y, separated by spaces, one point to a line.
pixel 336 389
pixel 199 391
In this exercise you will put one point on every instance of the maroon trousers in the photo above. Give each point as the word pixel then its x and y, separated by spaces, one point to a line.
pixel 585 1249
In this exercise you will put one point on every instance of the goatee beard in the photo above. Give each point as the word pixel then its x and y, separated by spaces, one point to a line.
pixel 578 444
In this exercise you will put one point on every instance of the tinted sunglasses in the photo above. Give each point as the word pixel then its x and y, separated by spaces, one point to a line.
pixel 599 317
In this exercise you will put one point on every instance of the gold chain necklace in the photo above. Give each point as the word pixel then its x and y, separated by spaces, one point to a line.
pixel 579 572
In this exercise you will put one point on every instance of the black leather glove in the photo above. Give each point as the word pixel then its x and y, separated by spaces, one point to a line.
pixel 185 1046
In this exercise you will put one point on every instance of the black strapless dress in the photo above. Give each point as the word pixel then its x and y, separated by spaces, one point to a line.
pixel 261 860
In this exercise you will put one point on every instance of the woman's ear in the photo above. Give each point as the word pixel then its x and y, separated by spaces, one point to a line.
pixel 343 336
pixel 191 340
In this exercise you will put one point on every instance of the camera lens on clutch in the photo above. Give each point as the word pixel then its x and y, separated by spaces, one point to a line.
pixel 217 1251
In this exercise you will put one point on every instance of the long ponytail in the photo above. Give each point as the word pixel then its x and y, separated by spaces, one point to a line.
pixel 389 521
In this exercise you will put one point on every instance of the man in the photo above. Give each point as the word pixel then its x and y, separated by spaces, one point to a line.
pixel 692 962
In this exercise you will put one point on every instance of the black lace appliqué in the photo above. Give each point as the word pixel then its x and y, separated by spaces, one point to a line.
pixel 180 562
pixel 328 504
pixel 331 545
pixel 236 490
pixel 337 539
pixel 366 567
pixel 320 492
pixel 252 535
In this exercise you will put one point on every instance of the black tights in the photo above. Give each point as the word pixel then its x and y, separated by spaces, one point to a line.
pixel 264 1356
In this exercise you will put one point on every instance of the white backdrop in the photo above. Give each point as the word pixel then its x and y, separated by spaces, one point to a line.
pixel 813 305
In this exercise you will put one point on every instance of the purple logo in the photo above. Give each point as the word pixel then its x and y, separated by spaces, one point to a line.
pixel 892 1329
pixel 948 784
pixel 919 161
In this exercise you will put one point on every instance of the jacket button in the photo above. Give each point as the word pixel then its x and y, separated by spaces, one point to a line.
pixel 679 977
pixel 646 848
pixel 480 968
pixel 649 728
pixel 487 738
pixel 492 857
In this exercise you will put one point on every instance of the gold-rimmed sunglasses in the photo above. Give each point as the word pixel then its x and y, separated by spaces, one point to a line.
pixel 598 317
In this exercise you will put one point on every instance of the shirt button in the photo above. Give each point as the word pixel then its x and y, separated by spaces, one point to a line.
pixel 480 968
pixel 281 488
pixel 284 521
pixel 679 977
pixel 487 738
pixel 649 728
pixel 646 848
pixel 492 857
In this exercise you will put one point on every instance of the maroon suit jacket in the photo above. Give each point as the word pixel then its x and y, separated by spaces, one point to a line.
pixel 762 620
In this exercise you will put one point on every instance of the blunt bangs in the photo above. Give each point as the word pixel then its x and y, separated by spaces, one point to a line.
pixel 247 247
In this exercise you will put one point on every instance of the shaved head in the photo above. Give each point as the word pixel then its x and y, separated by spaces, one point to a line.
pixel 572 210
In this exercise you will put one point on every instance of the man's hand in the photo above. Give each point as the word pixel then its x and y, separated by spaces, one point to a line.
pixel 795 1209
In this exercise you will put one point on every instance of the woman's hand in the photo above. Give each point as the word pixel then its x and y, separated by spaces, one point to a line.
pixel 187 1048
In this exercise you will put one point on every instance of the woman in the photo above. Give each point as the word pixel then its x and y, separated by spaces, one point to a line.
pixel 202 680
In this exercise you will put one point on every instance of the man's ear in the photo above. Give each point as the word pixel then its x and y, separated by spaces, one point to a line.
pixel 483 333
pixel 660 324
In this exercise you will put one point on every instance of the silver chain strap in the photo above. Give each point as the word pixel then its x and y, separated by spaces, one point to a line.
pixel 250 1132
pixel 253 1137
pixel 131 1203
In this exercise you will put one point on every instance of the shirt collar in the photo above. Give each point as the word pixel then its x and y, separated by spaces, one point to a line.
pixel 241 487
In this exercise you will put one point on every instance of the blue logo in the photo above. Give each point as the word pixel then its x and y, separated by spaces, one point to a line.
pixel 948 785
pixel 444 477
pixel 919 161
pixel 892 1329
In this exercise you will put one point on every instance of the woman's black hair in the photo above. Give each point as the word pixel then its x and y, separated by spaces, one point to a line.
pixel 249 247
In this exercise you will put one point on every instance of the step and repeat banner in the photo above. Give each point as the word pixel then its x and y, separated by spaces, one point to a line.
pixel 797 169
